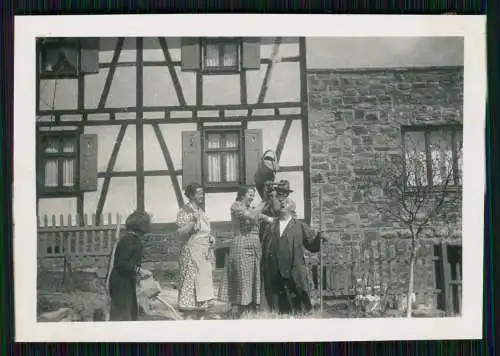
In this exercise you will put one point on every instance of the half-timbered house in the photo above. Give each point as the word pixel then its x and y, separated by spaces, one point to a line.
pixel 126 123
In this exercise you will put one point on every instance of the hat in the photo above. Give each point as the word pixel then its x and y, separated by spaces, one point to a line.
pixel 284 186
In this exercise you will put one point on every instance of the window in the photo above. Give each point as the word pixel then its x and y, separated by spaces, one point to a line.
pixel 222 156
pixel 214 157
pixel 433 156
pixel 57 162
pixel 59 58
pixel 221 55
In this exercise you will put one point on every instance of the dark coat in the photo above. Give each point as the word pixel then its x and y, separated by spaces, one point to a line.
pixel 123 279
pixel 291 263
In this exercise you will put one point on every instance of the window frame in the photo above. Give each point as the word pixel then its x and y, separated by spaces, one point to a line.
pixel 224 186
pixel 42 157
pixel 455 130
pixel 45 44
pixel 221 41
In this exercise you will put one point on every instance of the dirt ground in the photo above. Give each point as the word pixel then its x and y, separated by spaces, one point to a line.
pixel 87 294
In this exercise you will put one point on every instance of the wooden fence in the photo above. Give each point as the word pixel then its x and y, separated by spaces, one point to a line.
pixel 350 265
pixel 69 237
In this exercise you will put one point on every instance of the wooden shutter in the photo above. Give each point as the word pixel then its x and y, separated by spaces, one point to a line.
pixel 253 153
pixel 251 53
pixel 88 163
pixel 190 53
pixel 191 157
pixel 89 55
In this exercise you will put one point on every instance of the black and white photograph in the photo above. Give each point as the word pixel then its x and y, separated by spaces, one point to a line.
pixel 222 186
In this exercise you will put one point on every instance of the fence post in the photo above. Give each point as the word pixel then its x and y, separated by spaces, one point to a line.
pixel 446 277
pixel 353 268
pixel 321 249
pixel 458 266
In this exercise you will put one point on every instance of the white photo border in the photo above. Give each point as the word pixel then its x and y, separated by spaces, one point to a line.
pixel 468 326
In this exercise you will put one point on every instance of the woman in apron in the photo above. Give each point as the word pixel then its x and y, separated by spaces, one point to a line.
pixel 196 289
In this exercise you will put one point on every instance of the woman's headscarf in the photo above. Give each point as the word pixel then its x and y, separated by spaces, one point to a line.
pixel 138 222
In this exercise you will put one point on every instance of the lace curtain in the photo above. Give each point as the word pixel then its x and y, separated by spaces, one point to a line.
pixel 51 171
pixel 223 164
pixel 440 145
pixel 213 55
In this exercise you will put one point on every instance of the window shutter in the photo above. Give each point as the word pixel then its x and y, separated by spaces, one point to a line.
pixel 88 163
pixel 191 157
pixel 251 53
pixel 190 53
pixel 253 153
pixel 89 55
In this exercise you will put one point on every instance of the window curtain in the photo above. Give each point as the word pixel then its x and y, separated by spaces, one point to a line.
pixel 51 178
pixel 232 161
pixel 416 160
pixel 212 55
pixel 51 173
pixel 230 51
pixel 441 157
pixel 215 160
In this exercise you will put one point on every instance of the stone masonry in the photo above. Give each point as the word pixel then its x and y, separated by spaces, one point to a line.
pixel 356 115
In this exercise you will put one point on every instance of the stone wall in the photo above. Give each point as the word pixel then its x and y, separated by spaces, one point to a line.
pixel 355 116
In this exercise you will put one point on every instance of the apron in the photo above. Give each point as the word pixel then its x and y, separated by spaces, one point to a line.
pixel 199 250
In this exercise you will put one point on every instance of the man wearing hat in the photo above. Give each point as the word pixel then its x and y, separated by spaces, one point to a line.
pixel 283 266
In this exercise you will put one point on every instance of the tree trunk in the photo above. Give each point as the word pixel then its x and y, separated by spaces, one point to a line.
pixel 411 278
pixel 409 302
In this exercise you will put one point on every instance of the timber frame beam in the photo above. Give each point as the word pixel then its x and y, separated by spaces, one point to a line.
pixel 282 139
pixel 109 169
pixel 192 108
pixel 139 127
pixel 173 74
pixel 111 73
pixel 115 122
pixel 170 164
pixel 304 98
pixel 293 59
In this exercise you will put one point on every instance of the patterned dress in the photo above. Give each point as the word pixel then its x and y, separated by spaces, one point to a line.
pixel 241 283
pixel 195 278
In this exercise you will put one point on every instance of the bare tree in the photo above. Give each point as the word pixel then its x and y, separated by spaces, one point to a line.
pixel 417 191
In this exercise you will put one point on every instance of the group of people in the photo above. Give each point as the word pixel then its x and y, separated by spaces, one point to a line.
pixel 265 268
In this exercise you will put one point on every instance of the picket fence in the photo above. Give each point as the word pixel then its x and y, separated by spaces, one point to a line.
pixel 381 268
pixel 88 236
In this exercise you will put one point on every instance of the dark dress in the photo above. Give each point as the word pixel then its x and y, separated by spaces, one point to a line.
pixel 123 279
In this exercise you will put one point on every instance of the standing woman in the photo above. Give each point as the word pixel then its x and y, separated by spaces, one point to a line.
pixel 241 285
pixel 126 264
pixel 196 288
